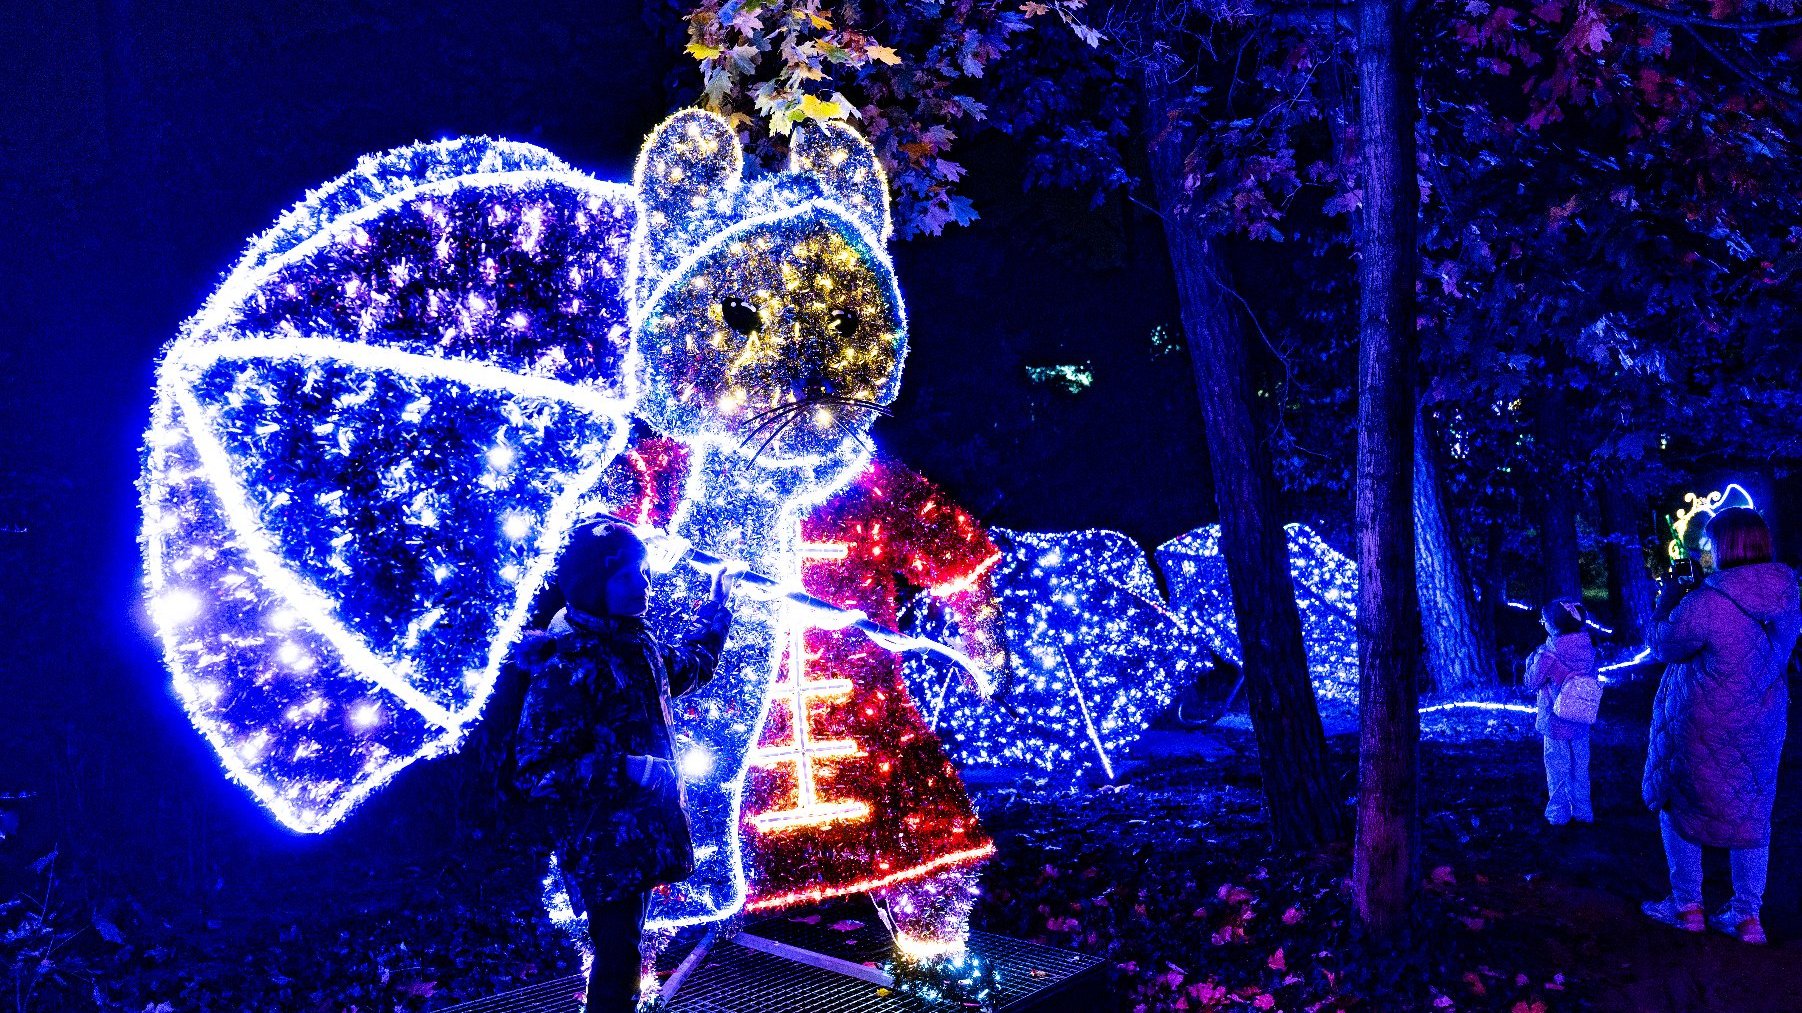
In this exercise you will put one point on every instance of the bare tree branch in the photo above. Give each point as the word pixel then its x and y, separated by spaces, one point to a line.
pixel 1678 18
pixel 1783 103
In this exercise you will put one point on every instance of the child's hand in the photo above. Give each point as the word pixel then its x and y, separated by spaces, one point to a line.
pixel 724 580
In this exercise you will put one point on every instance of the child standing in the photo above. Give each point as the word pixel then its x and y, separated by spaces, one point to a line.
pixel 1567 653
pixel 595 747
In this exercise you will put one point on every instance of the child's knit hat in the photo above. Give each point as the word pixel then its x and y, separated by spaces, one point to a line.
pixel 596 549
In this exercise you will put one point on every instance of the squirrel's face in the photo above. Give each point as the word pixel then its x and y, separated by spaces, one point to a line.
pixel 785 336
pixel 768 317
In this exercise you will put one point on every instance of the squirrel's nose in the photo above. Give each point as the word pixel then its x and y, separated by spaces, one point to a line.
pixel 811 383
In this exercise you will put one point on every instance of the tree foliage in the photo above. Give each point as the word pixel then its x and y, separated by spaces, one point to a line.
pixel 912 72
pixel 1608 192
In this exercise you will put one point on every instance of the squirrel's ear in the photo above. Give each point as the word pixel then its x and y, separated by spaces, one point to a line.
pixel 687 175
pixel 847 169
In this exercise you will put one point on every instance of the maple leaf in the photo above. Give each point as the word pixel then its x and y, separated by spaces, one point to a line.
pixel 701 51
pixel 1588 33
pixel 820 109
pixel 1342 202
pixel 1030 9
pixel 882 54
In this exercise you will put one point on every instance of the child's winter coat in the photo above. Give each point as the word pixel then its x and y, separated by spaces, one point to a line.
pixel 1551 666
pixel 600 691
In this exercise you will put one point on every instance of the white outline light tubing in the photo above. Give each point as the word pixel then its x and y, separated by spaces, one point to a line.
pixel 1485 705
pixel 315 608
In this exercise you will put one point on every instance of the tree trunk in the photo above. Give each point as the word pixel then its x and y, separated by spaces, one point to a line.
pixel 1384 858
pixel 1458 658
pixel 1558 559
pixel 1630 586
pixel 1560 569
pixel 1494 582
pixel 1299 794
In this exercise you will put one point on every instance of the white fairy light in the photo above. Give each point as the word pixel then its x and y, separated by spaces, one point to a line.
pixel 175 607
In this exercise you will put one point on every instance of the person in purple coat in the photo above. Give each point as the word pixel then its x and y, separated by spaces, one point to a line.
pixel 1719 720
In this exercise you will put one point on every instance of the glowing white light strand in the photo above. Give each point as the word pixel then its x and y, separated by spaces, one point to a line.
pixel 1481 705
pixel 1591 623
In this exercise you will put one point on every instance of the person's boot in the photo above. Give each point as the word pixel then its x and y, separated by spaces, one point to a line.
pixel 1689 919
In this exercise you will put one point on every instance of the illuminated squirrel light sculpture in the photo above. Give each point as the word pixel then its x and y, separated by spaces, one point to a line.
pixel 368 446
pixel 771 334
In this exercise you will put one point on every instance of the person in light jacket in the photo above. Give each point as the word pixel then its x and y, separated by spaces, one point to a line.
pixel 1718 722
pixel 1568 652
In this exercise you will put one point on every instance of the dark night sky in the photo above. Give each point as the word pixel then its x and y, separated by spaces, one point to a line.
pixel 141 143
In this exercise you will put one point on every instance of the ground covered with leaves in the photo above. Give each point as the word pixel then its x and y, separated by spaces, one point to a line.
pixel 1168 875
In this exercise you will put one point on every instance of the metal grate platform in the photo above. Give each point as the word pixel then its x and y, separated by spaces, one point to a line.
pixel 846 928
pixel 1029 974
pixel 555 996
pixel 734 977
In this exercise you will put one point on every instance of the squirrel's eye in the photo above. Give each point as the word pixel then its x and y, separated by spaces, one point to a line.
pixel 844 322
pixel 741 316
